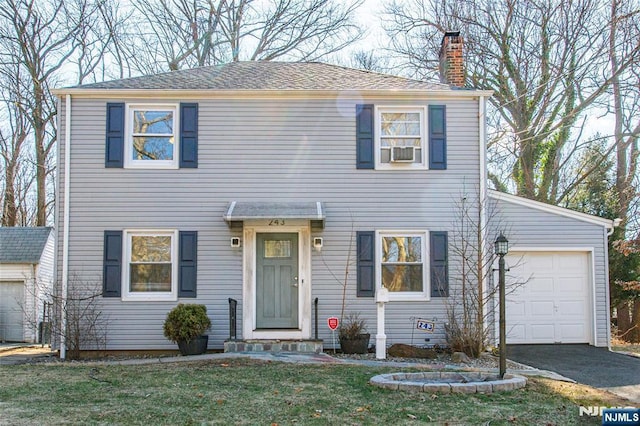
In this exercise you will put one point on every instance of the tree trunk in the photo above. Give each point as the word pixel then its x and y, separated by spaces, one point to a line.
pixel 634 333
pixel 624 319
pixel 9 208
pixel 41 156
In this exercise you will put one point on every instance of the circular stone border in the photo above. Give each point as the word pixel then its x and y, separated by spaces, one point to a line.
pixel 449 382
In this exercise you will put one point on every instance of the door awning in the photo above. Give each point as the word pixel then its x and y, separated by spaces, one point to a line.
pixel 239 211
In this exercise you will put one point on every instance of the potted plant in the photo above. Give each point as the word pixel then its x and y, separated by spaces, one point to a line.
pixel 185 325
pixel 351 332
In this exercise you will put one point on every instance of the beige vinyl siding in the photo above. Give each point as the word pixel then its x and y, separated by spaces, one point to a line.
pixel 528 227
pixel 259 150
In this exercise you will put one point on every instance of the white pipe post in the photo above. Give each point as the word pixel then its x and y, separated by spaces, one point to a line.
pixel 382 297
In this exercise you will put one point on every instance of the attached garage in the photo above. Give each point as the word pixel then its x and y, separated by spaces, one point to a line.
pixel 550 301
pixel 11 311
pixel 558 276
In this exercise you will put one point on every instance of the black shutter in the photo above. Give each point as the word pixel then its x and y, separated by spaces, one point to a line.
pixel 364 137
pixel 439 264
pixel 112 264
pixel 189 136
pixel 114 141
pixel 187 263
pixel 365 246
pixel 437 137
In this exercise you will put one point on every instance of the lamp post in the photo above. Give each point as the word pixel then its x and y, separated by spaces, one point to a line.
pixel 501 249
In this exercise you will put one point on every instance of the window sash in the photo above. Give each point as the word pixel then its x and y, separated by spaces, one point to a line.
pixel 407 133
pixel 171 126
pixel 151 273
pixel 410 276
pixel 165 143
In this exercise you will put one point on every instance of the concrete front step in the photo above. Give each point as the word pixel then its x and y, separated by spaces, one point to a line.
pixel 273 346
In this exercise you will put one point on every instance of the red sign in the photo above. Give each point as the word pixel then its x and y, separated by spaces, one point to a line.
pixel 333 323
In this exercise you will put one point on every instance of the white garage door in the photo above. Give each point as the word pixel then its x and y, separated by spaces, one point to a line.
pixel 11 316
pixel 552 304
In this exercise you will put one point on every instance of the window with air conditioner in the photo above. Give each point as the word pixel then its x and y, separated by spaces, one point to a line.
pixel 401 138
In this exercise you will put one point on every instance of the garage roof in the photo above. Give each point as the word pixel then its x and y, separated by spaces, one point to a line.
pixel 22 244
pixel 561 211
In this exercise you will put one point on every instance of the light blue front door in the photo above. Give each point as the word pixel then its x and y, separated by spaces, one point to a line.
pixel 277 280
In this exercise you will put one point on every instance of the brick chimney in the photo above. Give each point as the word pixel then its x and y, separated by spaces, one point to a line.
pixel 451 61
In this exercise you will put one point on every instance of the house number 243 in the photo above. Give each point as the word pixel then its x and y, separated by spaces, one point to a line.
pixel 276 222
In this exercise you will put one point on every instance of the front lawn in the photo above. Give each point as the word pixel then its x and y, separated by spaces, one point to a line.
pixel 240 391
pixel 627 347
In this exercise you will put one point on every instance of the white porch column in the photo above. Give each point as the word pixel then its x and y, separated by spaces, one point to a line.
pixel 382 297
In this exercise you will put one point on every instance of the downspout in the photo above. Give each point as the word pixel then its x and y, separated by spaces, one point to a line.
pixel 65 227
pixel 482 131
pixel 608 233
pixel 34 320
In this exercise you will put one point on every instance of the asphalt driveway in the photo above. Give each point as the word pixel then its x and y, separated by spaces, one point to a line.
pixel 596 367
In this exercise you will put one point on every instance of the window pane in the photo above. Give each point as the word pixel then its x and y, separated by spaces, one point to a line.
pixel 154 122
pixel 277 249
pixel 401 249
pixel 402 277
pixel 152 148
pixel 388 142
pixel 400 124
pixel 147 248
pixel 150 277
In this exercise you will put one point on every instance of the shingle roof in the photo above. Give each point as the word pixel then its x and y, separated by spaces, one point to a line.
pixel 257 75
pixel 22 244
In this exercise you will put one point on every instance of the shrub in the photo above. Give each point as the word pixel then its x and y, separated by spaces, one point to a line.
pixel 352 327
pixel 186 322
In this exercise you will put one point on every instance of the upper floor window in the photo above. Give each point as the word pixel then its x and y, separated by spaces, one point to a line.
pixel 401 137
pixel 151 136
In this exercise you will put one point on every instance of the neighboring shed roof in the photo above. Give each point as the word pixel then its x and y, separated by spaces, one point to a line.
pixel 22 244
pixel 268 75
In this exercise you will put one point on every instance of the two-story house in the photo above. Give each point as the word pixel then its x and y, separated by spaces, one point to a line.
pixel 272 183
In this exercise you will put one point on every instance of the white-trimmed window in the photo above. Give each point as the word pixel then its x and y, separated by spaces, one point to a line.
pixel 150 265
pixel 401 140
pixel 403 264
pixel 151 139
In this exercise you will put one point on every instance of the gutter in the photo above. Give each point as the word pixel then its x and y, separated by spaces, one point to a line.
pixel 65 227
pixel 616 222
pixel 272 94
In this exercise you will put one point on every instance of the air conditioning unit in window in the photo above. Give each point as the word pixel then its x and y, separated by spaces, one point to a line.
pixel 403 154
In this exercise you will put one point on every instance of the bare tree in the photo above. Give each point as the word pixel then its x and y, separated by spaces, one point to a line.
pixel 38 43
pixel 37 37
pixel 185 34
pixel 473 300
pixel 12 140
pixel 623 37
pixel 369 60
pixel 86 325
pixel 546 62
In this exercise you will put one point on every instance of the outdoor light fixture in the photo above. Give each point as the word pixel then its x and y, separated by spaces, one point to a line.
pixel 501 249
pixel 502 245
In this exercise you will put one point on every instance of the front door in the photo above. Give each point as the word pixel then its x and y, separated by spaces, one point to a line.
pixel 277 280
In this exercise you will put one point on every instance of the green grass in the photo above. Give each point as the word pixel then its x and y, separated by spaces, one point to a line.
pixel 261 393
